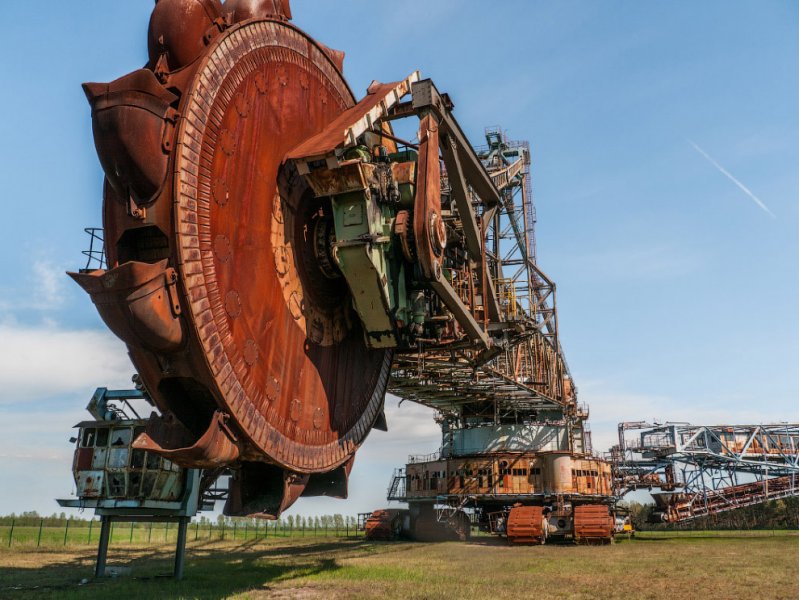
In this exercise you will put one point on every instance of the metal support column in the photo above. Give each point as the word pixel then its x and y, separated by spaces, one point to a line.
pixel 102 550
pixel 180 549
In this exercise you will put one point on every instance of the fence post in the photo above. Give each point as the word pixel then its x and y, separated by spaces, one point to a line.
pixel 39 539
pixel 166 532
pixel 91 522
pixel 150 533
pixel 66 531
pixel 196 530
pixel 234 529
pixel 245 532
pixel 11 533
pixel 130 541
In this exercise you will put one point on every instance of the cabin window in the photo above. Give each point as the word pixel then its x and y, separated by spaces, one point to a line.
pixel 135 484
pixel 116 485
pixel 153 461
pixel 121 437
pixel 137 459
pixel 89 437
pixel 102 437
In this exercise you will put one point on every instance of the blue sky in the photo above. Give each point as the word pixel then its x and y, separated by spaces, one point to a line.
pixel 676 290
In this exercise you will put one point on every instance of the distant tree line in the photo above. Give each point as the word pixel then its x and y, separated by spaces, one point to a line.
pixel 31 517
pixel 337 521
pixel 775 514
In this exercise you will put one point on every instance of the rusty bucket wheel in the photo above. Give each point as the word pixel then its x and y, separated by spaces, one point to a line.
pixel 289 362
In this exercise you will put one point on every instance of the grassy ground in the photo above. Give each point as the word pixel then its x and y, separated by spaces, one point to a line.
pixel 653 565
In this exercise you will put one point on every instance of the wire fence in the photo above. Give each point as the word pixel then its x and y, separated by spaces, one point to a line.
pixel 77 533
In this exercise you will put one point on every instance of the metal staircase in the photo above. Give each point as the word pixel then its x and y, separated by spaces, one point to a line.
pixel 396 489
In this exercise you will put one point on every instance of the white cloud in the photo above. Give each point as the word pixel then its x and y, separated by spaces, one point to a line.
pixel 48 285
pixel 411 430
pixel 46 363
pixel 35 452
pixel 45 360
pixel 43 288
pixel 413 421
pixel 610 405
pixel 47 376
pixel 42 481
pixel 38 435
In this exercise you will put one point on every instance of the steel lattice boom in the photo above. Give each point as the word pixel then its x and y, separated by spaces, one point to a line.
pixel 702 470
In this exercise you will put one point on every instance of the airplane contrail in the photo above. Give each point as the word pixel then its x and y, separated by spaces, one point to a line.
pixel 729 176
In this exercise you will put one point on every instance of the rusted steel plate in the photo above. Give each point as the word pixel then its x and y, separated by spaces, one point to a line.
pixel 352 123
pixel 526 525
pixel 260 9
pixel 428 226
pixel 593 523
pixel 129 117
pixel 215 448
pixel 279 340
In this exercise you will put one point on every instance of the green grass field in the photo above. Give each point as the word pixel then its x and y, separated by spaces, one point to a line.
pixel 720 565
pixel 149 534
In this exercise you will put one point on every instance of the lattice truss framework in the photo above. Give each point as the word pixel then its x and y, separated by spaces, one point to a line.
pixel 526 372
pixel 702 470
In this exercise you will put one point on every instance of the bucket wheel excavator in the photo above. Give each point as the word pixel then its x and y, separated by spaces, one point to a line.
pixel 276 259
